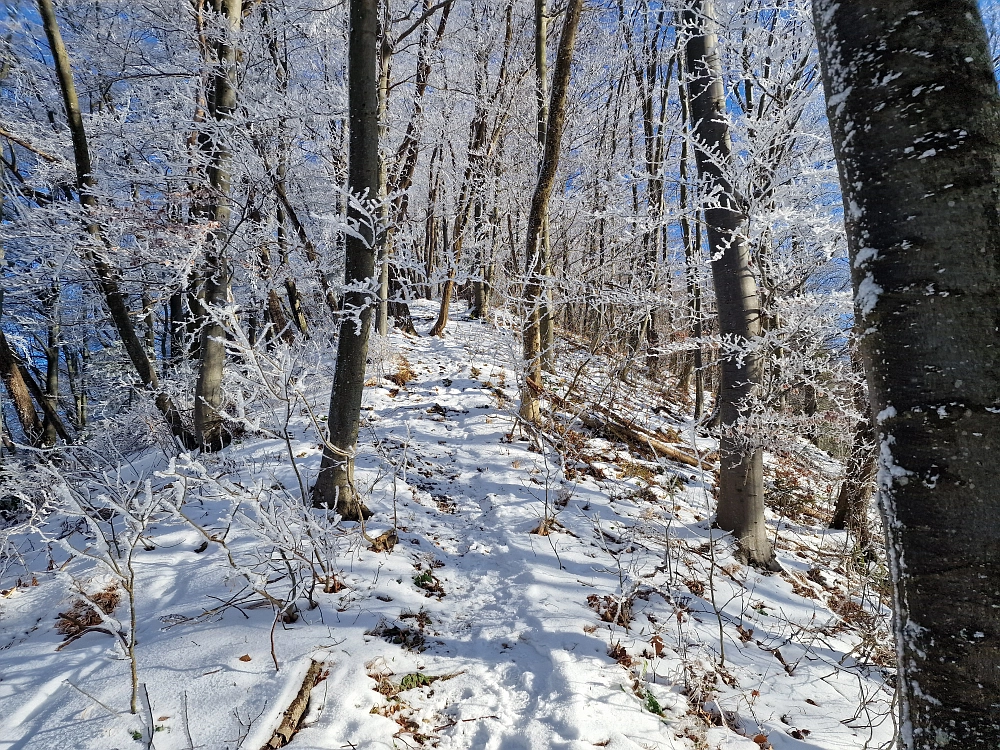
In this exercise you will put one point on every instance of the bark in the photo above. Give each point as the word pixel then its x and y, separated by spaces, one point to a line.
pixel 17 389
pixel 95 249
pixel 208 419
pixel 546 330
pixel 692 252
pixel 917 141
pixel 335 485
pixel 538 215
pixel 741 491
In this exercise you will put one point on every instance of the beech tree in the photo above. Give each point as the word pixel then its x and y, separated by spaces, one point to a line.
pixel 741 489
pixel 915 116
pixel 335 485
pixel 535 255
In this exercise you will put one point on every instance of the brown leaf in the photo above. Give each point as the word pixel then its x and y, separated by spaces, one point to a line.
pixel 245 657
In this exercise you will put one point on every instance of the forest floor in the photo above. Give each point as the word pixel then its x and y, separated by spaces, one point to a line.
pixel 626 623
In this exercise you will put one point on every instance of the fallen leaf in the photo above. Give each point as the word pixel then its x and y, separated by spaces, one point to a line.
pixel 245 657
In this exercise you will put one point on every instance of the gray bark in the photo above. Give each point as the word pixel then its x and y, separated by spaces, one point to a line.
pixel 741 491
pixel 335 485
pixel 915 116
pixel 208 420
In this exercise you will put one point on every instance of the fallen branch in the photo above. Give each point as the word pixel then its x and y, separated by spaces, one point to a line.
pixel 642 443
pixel 292 718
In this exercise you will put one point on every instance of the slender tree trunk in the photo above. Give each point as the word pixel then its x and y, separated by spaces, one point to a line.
pixel 95 249
pixel 851 510
pixel 384 74
pixel 208 420
pixel 917 140
pixel 335 485
pixel 546 329
pixel 692 249
pixel 538 215
pixel 14 380
pixel 741 490
pixel 51 395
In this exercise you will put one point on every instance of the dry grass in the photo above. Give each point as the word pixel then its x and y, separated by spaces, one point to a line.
pixel 404 372
pixel 83 614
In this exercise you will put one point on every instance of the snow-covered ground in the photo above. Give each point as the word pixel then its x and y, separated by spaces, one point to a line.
pixel 629 625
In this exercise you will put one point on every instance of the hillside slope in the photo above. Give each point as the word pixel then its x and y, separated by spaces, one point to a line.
pixel 535 598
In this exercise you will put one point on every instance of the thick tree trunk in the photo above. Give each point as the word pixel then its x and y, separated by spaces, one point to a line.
pixel 335 485
pixel 915 116
pixel 534 302
pixel 94 251
pixel 741 491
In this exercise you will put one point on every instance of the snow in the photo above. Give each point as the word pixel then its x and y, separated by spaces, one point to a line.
pixel 504 622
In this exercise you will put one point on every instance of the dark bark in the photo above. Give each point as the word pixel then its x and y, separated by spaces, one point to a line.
pixel 95 249
pixel 915 116
pixel 538 214
pixel 741 491
pixel 335 485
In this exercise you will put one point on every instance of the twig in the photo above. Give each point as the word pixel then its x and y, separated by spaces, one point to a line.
pixel 187 724
pixel 102 705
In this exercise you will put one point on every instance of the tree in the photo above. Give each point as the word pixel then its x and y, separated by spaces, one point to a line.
pixel 208 422
pixel 97 247
pixel 741 490
pixel 335 485
pixel 915 116
pixel 534 255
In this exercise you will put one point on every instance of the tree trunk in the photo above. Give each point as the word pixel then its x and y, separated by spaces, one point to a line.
pixel 741 491
pixel 917 140
pixel 335 485
pixel 17 388
pixel 208 420
pixel 692 249
pixel 538 215
pixel 94 251
pixel 546 330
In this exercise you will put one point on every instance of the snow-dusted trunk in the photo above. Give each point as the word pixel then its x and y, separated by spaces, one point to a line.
pixel 208 391
pixel 546 330
pixel 539 211
pixel 335 483
pixel 95 249
pixel 915 116
pixel 15 380
pixel 741 492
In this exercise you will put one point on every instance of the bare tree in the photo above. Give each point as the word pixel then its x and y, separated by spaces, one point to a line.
pixel 741 490
pixel 534 301
pixel 915 115
pixel 208 422
pixel 96 248
pixel 335 485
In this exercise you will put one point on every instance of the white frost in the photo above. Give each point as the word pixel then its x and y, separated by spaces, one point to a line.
pixel 868 294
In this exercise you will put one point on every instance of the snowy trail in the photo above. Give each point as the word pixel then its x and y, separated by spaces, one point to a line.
pixel 523 655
